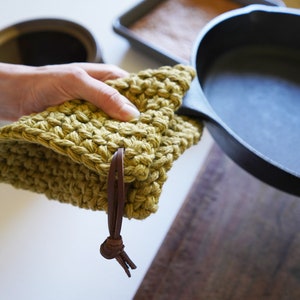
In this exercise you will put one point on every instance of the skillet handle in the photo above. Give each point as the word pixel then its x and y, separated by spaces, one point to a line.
pixel 194 104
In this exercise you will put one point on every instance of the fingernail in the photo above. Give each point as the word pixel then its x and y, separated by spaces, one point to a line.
pixel 131 112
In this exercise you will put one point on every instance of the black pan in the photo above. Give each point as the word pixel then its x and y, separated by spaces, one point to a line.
pixel 248 90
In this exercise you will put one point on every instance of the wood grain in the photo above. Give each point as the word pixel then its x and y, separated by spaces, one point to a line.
pixel 234 238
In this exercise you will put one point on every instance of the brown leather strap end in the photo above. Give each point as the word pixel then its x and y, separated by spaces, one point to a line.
pixel 113 246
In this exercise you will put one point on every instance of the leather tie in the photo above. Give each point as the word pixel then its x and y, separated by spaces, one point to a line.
pixel 113 246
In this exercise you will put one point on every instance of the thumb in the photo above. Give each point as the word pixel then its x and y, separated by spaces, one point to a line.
pixel 108 99
pixel 114 104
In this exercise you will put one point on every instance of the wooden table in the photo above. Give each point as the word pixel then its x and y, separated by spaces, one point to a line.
pixel 234 238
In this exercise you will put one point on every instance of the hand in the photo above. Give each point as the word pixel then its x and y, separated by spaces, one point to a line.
pixel 26 89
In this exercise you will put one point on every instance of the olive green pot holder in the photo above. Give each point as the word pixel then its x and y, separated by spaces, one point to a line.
pixel 65 152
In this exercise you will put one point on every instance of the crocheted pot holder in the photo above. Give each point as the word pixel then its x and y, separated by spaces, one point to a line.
pixel 65 151
pixel 76 154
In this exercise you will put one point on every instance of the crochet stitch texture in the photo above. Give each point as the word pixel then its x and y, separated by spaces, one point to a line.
pixel 65 151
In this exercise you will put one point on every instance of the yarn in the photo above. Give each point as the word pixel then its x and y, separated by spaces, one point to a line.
pixel 65 151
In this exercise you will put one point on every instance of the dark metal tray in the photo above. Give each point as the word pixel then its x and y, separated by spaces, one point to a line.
pixel 123 26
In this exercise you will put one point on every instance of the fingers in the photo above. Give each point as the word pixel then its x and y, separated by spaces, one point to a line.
pixel 89 86
pixel 111 102
pixel 41 87
pixel 56 84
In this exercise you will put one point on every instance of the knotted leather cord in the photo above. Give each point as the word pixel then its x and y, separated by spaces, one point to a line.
pixel 113 246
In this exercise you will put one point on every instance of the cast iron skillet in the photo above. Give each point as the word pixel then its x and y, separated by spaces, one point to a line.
pixel 248 90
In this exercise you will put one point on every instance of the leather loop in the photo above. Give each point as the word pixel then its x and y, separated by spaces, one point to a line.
pixel 113 246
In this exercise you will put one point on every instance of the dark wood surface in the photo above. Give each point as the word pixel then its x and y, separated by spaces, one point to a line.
pixel 234 238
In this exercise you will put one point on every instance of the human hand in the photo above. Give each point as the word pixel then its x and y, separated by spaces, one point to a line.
pixel 26 89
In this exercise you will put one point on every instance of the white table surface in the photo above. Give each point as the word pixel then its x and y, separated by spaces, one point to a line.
pixel 50 250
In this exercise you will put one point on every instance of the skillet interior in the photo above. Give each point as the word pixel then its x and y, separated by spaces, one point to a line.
pixel 249 69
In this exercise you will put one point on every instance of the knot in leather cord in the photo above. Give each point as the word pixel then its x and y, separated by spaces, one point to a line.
pixel 113 246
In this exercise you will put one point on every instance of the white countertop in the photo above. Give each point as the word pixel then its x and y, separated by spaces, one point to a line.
pixel 50 250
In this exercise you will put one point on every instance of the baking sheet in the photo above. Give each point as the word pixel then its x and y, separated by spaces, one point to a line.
pixel 166 30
